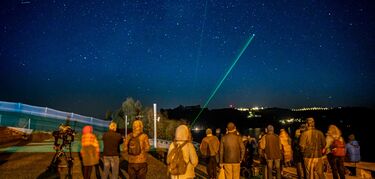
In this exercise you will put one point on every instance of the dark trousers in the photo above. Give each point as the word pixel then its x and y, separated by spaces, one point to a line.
pixel 211 167
pixel 137 170
pixel 301 170
pixel 88 169
pixel 337 166
pixel 87 172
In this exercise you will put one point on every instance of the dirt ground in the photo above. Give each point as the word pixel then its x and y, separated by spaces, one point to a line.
pixel 34 165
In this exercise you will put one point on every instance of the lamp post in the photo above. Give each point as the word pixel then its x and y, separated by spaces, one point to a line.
pixel 155 143
pixel 126 126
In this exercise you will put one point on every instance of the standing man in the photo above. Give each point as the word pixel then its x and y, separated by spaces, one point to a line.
pixel 136 146
pixel 232 152
pixel 111 151
pixel 312 143
pixel 271 147
pixel 210 148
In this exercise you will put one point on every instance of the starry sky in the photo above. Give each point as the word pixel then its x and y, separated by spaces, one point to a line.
pixel 87 57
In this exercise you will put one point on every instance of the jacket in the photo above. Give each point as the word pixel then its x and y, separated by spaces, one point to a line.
pixel 190 155
pixel 271 146
pixel 143 140
pixel 210 145
pixel 353 151
pixel 232 149
pixel 286 143
pixel 89 147
pixel 111 142
pixel 312 143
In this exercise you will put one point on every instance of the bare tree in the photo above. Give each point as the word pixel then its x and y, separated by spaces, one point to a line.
pixel 132 109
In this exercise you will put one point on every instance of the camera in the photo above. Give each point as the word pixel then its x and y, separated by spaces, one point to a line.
pixel 63 136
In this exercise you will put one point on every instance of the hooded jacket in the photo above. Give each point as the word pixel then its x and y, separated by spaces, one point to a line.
pixel 190 155
pixel 89 147
pixel 353 151
pixel 144 143
pixel 286 143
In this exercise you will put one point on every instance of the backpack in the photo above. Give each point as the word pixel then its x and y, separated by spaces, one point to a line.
pixel 338 148
pixel 175 160
pixel 134 145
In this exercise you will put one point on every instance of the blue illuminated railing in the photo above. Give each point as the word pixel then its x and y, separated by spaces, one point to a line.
pixel 50 113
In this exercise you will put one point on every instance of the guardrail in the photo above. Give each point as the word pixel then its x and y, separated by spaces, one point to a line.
pixel 50 113
pixel 161 143
pixel 56 114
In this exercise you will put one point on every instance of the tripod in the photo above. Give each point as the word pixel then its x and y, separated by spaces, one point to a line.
pixel 65 152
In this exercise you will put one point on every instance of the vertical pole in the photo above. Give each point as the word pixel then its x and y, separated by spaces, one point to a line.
pixel 91 120
pixel 29 123
pixel 45 112
pixel 126 126
pixel 155 126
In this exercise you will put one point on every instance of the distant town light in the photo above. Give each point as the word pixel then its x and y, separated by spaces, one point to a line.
pixel 312 109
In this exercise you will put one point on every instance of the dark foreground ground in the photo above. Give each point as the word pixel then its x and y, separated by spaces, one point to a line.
pixel 20 158
pixel 34 165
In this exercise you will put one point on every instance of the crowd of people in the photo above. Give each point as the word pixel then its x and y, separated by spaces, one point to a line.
pixel 227 155
pixel 136 146
pixel 311 152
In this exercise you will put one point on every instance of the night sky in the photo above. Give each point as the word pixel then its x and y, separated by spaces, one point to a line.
pixel 87 57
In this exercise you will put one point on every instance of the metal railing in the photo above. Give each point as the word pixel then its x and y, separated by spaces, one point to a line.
pixel 46 113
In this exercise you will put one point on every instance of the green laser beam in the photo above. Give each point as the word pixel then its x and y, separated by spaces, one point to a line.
pixel 222 80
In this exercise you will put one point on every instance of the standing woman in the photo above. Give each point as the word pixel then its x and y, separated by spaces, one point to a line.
pixel 89 151
pixel 286 143
pixel 335 150
pixel 182 142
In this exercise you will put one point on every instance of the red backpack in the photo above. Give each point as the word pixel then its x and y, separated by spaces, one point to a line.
pixel 338 148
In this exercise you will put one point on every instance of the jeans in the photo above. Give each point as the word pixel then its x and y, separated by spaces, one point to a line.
pixel 337 166
pixel 88 169
pixel 87 172
pixel 232 171
pixel 270 164
pixel 111 162
pixel 137 170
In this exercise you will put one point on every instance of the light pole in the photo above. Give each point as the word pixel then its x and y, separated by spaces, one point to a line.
pixel 126 126
pixel 155 112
